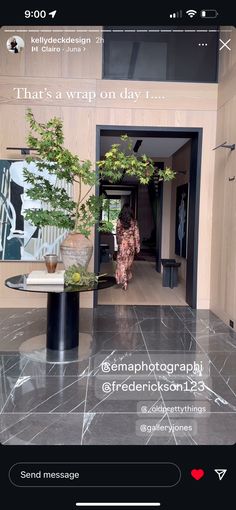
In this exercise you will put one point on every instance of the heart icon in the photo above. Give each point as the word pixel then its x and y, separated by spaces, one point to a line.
pixel 197 474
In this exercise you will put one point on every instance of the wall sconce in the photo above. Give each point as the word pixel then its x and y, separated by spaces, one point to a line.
pixel 226 146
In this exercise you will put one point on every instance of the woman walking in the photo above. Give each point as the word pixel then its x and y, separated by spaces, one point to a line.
pixel 128 240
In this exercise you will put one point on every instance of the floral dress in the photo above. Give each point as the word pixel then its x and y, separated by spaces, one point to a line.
pixel 128 241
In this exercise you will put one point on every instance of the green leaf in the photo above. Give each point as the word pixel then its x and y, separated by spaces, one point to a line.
pixel 58 208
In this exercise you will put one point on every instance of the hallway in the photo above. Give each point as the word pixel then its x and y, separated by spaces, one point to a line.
pixel 144 289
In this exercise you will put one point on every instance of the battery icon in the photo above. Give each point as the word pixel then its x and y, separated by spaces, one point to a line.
pixel 209 13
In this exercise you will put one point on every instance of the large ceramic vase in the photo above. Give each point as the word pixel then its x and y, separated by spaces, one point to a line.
pixel 76 249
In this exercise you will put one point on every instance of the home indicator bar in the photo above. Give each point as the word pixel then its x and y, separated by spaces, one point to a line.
pixel 118 504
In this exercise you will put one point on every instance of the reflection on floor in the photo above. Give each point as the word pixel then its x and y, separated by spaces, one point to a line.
pixel 144 289
pixel 42 403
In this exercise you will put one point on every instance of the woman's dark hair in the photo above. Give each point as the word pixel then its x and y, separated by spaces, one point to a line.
pixel 126 216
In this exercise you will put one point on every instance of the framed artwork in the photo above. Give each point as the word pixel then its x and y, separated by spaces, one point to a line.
pixel 20 239
pixel 181 220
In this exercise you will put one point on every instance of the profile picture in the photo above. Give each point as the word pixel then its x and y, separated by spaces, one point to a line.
pixel 15 44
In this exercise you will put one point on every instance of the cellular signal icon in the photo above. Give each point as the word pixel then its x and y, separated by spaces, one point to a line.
pixel 177 14
pixel 191 13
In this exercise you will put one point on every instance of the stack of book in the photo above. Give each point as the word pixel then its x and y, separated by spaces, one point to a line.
pixel 45 278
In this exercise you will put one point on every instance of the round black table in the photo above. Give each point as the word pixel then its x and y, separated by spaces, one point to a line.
pixel 63 308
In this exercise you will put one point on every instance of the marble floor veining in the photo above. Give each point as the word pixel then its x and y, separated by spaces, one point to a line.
pixel 43 403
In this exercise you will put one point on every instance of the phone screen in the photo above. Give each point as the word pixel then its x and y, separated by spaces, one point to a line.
pixel 117 255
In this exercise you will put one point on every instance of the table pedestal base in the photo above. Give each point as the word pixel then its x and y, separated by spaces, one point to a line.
pixel 35 350
pixel 62 320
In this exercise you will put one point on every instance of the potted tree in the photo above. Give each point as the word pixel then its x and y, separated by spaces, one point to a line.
pixel 77 216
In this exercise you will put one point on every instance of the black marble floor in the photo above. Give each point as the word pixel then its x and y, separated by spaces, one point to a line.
pixel 41 403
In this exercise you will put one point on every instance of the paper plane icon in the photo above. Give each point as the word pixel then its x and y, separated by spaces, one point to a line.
pixel 52 13
pixel 220 473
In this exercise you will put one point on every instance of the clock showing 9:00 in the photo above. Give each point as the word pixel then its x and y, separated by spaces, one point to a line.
pixel 39 14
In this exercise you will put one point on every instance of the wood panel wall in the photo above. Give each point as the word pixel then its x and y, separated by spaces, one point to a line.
pixel 166 213
pixel 184 105
pixel 223 271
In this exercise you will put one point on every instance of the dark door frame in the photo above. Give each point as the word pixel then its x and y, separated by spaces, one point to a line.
pixel 195 134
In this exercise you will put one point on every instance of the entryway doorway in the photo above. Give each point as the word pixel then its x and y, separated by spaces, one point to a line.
pixel 158 216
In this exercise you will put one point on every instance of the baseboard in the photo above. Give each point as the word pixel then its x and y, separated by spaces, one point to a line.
pixel 223 315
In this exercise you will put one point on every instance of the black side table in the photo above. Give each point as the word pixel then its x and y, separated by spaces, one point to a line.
pixel 63 308
pixel 170 273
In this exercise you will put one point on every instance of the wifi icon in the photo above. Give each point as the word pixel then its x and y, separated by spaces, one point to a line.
pixel 191 13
